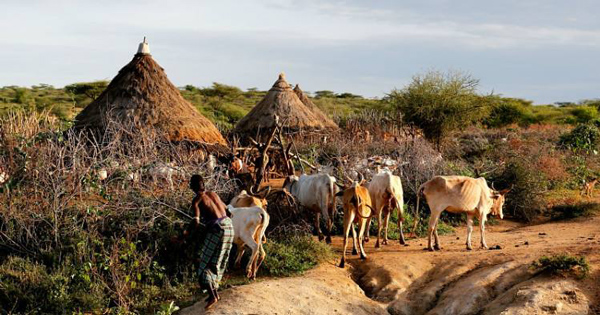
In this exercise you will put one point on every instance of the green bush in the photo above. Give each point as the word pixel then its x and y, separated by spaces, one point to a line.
pixel 526 199
pixel 583 137
pixel 440 103
pixel 508 111
pixel 563 263
pixel 295 255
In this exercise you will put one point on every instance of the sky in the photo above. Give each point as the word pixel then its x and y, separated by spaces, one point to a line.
pixel 542 50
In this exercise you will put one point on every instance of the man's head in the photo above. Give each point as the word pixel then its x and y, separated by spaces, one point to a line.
pixel 197 183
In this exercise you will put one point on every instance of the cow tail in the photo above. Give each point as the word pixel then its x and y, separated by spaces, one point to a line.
pixel 263 227
pixel 332 196
pixel 416 218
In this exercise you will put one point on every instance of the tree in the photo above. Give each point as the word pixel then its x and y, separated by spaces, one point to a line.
pixel 324 93
pixel 89 89
pixel 506 111
pixel 439 103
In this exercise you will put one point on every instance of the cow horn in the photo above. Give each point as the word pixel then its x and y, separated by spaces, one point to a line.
pixel 350 180
pixel 493 186
pixel 267 191
pixel 361 177
pixel 252 192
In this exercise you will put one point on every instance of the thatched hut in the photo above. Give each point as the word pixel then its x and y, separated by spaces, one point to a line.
pixel 141 95
pixel 330 124
pixel 283 103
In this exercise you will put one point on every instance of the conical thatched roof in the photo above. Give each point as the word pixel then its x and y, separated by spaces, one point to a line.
pixel 280 101
pixel 308 103
pixel 141 94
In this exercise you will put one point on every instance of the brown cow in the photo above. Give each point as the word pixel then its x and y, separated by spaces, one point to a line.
pixel 357 209
pixel 588 188
pixel 460 194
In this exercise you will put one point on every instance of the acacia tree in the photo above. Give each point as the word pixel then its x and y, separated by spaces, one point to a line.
pixel 439 103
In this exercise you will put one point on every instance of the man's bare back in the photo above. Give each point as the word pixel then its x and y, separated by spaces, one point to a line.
pixel 209 206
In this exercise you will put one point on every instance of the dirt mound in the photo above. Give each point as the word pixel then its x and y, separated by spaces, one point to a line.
pixel 545 296
pixel 324 290
pixel 408 280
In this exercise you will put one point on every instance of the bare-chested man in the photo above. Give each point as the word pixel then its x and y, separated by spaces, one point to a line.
pixel 219 236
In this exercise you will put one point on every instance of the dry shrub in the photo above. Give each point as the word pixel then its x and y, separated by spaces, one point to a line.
pixel 111 237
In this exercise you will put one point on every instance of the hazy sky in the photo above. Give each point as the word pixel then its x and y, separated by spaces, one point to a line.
pixel 542 50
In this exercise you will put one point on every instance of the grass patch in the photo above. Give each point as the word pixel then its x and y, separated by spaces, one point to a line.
pixel 571 211
pixel 293 256
pixel 563 264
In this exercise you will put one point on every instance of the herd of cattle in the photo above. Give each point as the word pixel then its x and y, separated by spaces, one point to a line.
pixel 362 201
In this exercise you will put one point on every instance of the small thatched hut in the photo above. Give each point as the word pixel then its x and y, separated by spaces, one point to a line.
pixel 281 102
pixel 142 95
pixel 330 124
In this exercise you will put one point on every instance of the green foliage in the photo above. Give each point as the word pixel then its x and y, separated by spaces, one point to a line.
pixel 440 103
pixel 526 199
pixel 507 111
pixel 563 263
pixel 89 89
pixel 324 94
pixel 293 255
pixel 584 114
pixel 570 211
pixel 584 137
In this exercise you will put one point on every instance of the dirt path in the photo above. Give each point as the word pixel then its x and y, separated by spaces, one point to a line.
pixel 408 280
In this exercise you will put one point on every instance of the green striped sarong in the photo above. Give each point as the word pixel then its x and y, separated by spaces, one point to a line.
pixel 214 254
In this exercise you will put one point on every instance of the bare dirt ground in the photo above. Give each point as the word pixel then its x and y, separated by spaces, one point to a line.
pixel 409 280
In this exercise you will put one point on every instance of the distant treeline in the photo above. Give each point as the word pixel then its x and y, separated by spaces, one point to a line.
pixel 225 104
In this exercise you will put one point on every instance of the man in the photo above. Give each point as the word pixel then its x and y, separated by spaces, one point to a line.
pixel 219 236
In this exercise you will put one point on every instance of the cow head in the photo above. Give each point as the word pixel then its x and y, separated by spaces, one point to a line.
pixel 245 199
pixel 289 182
pixel 498 198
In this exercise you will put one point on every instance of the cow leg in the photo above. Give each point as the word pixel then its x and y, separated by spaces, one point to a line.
pixel 431 231
pixel 318 225
pixel 354 241
pixel 469 230
pixel 435 234
pixel 366 236
pixel 252 263
pixel 348 219
pixel 240 253
pixel 385 227
pixel 361 232
pixel 261 257
pixel 329 227
pixel 400 220
pixel 379 226
pixel 482 220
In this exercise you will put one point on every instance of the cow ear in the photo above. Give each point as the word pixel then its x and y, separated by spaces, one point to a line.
pixel 504 191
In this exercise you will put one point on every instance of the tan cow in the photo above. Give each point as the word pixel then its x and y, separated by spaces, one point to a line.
pixel 460 194
pixel 357 209
pixel 250 225
pixel 386 193
pixel 245 199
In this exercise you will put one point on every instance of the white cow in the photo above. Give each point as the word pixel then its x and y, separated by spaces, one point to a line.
pixel 317 193
pixel 249 226
pixel 386 193
pixel 461 194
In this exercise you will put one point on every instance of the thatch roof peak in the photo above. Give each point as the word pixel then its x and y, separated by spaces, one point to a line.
pixel 141 95
pixel 144 48
pixel 280 101
pixel 318 112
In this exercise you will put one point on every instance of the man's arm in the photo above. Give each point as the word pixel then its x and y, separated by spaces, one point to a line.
pixel 196 209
